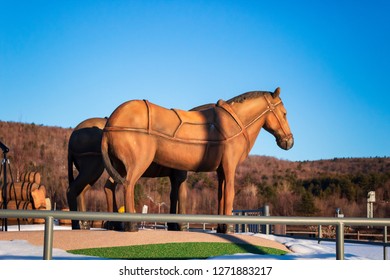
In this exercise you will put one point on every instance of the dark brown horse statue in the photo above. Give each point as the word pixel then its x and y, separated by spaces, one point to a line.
pixel 84 151
pixel 217 138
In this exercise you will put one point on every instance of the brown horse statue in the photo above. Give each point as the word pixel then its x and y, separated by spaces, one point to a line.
pixel 84 151
pixel 217 138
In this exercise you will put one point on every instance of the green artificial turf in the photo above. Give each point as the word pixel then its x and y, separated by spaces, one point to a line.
pixel 190 250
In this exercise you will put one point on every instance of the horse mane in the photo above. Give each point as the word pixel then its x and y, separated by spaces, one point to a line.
pixel 246 96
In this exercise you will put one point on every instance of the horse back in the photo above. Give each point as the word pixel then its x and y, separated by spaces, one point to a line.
pixel 213 124
pixel 92 122
pixel 86 137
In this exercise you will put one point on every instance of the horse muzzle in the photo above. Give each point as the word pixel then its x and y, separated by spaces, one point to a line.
pixel 286 143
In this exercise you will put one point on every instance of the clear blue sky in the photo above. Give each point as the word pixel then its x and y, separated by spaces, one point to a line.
pixel 64 61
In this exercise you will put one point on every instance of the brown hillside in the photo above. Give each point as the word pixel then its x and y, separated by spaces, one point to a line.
pixel 290 188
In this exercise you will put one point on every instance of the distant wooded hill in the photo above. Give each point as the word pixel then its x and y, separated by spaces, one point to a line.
pixel 303 188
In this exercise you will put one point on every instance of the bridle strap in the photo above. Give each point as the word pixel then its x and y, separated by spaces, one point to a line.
pixel 271 108
pixel 224 105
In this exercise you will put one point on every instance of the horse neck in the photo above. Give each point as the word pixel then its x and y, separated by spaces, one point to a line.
pixel 254 130
pixel 252 114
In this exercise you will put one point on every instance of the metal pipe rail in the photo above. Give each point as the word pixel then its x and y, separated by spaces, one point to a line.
pixel 49 217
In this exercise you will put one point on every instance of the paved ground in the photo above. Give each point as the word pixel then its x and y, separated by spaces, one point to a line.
pixel 68 239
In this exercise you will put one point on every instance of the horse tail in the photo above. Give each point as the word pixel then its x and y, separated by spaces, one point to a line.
pixel 108 164
pixel 70 167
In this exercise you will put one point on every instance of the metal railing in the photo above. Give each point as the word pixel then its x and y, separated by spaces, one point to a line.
pixel 49 217
pixel 255 228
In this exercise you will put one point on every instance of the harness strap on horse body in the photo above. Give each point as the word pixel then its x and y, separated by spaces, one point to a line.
pixel 147 103
pixel 83 154
pixel 181 122
pixel 224 105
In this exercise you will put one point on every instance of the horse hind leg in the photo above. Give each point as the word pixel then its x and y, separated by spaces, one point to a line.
pixel 135 153
pixel 133 175
pixel 130 204
pixel 73 192
pixel 112 206
pixel 89 173
pixel 109 189
pixel 82 205
pixel 182 204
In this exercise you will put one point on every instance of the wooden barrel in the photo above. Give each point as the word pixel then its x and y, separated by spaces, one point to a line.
pixel 65 221
pixel 40 204
pixel 21 205
pixel 18 205
pixel 32 177
pixel 22 177
pixel 14 191
pixel 13 206
pixel 38 194
pixel 10 205
pixel 20 191
pixel 25 205
pixel 97 224
pixel 35 177
pixel 39 221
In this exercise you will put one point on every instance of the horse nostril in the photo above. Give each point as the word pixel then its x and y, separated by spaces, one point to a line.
pixel 285 143
pixel 290 143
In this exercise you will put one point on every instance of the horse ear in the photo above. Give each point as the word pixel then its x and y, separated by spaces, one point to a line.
pixel 276 92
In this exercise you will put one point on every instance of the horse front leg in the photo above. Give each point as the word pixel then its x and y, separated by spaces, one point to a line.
pixel 174 203
pixel 178 197
pixel 82 207
pixel 225 196
pixel 221 228
pixel 229 199
pixel 72 199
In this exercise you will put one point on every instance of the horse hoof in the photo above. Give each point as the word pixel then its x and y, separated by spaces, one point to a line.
pixel 85 225
pixel 184 227
pixel 173 227
pixel 177 227
pixel 131 227
pixel 230 229
pixel 224 228
pixel 75 225
pixel 117 226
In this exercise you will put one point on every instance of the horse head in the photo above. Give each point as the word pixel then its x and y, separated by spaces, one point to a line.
pixel 276 121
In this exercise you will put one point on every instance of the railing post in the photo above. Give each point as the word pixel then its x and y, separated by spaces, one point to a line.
pixel 265 228
pixel 236 226
pixel 244 227
pixel 340 241
pixel 319 233
pixel 48 238
pixel 385 243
